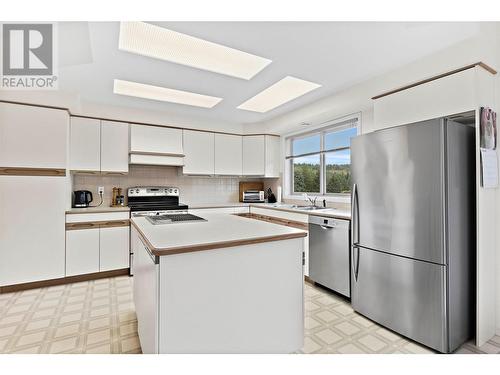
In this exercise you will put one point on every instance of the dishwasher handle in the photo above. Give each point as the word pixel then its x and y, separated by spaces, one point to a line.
pixel 326 227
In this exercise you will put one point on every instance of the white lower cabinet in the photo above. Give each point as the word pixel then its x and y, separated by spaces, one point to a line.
pixel 97 242
pixel 114 248
pixel 82 251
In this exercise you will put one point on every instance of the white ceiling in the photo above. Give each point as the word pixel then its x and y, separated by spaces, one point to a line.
pixel 336 55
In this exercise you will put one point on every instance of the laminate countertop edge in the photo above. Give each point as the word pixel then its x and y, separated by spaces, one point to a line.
pixel 215 245
pixel 96 210
pixel 323 213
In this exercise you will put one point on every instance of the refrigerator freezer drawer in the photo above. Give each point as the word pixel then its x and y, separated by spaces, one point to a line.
pixel 403 294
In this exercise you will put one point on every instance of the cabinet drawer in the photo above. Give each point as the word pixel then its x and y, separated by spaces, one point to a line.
pixel 106 216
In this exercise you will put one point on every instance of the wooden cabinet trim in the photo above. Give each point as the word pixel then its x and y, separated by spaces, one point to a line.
pixel 275 220
pixel 442 75
pixel 155 153
pixel 127 122
pixel 22 171
pixel 97 224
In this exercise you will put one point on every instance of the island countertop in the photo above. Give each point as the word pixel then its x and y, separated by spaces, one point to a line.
pixel 219 231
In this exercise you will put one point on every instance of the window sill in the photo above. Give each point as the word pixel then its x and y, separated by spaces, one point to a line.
pixel 328 198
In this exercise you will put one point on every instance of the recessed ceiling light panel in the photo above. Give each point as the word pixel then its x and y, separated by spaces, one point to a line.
pixel 164 94
pixel 161 43
pixel 281 92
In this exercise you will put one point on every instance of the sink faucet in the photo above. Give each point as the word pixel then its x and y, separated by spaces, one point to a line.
pixel 311 200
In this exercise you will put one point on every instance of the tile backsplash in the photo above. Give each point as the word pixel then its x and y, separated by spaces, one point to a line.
pixel 194 190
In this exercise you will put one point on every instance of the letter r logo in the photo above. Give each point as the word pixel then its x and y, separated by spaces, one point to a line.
pixel 27 49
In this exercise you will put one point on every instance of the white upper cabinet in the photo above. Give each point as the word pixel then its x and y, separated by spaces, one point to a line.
pixel 33 137
pixel 228 154
pixel 261 155
pixel 155 140
pixel 441 97
pixel 98 146
pixel 199 150
pixel 85 144
pixel 156 145
pixel 254 155
pixel 273 156
pixel 114 146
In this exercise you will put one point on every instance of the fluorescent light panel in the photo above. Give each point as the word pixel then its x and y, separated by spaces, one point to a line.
pixel 161 43
pixel 281 92
pixel 164 94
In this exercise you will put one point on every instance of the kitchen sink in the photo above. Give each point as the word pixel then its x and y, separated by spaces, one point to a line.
pixel 310 208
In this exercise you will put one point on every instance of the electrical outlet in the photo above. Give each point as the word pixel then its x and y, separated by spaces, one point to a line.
pixel 100 190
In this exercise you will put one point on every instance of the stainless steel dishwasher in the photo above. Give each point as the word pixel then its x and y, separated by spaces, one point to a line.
pixel 329 253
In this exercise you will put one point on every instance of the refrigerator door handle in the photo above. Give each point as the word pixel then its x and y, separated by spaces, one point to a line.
pixel 354 216
pixel 355 264
pixel 354 229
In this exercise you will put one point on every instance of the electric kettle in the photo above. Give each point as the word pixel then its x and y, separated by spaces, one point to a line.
pixel 82 198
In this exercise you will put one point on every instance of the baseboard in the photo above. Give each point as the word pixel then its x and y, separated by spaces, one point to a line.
pixel 498 331
pixel 63 280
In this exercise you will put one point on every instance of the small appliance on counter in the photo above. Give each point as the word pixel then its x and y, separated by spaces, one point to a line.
pixel 252 191
pixel 82 198
pixel 253 196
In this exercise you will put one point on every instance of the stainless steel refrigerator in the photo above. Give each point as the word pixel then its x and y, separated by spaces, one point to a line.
pixel 413 230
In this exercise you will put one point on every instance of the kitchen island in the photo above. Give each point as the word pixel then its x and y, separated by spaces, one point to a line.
pixel 225 285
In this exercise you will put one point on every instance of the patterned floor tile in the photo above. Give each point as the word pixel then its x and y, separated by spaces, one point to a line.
pixel 98 317
pixel 84 317
pixel 357 333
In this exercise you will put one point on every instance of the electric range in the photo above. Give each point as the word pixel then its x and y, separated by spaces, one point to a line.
pixel 154 200
pixel 150 201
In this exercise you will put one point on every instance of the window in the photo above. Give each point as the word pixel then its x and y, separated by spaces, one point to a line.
pixel 319 162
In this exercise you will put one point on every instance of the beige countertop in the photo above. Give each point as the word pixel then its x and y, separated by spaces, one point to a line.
pixel 327 212
pixel 96 210
pixel 218 205
pixel 167 239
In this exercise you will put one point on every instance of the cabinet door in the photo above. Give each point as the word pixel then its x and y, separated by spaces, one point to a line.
pixel 82 251
pixel 155 139
pixel 114 248
pixel 114 146
pixel 254 152
pixel 33 137
pixel 85 144
pixel 199 152
pixel 273 156
pixel 228 154
pixel 31 228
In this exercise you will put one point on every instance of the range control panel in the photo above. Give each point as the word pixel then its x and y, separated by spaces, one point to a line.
pixel 153 191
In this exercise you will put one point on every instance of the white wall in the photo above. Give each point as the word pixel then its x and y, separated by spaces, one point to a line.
pixel 358 97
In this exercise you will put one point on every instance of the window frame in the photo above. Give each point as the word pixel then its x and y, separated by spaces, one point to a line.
pixel 332 126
